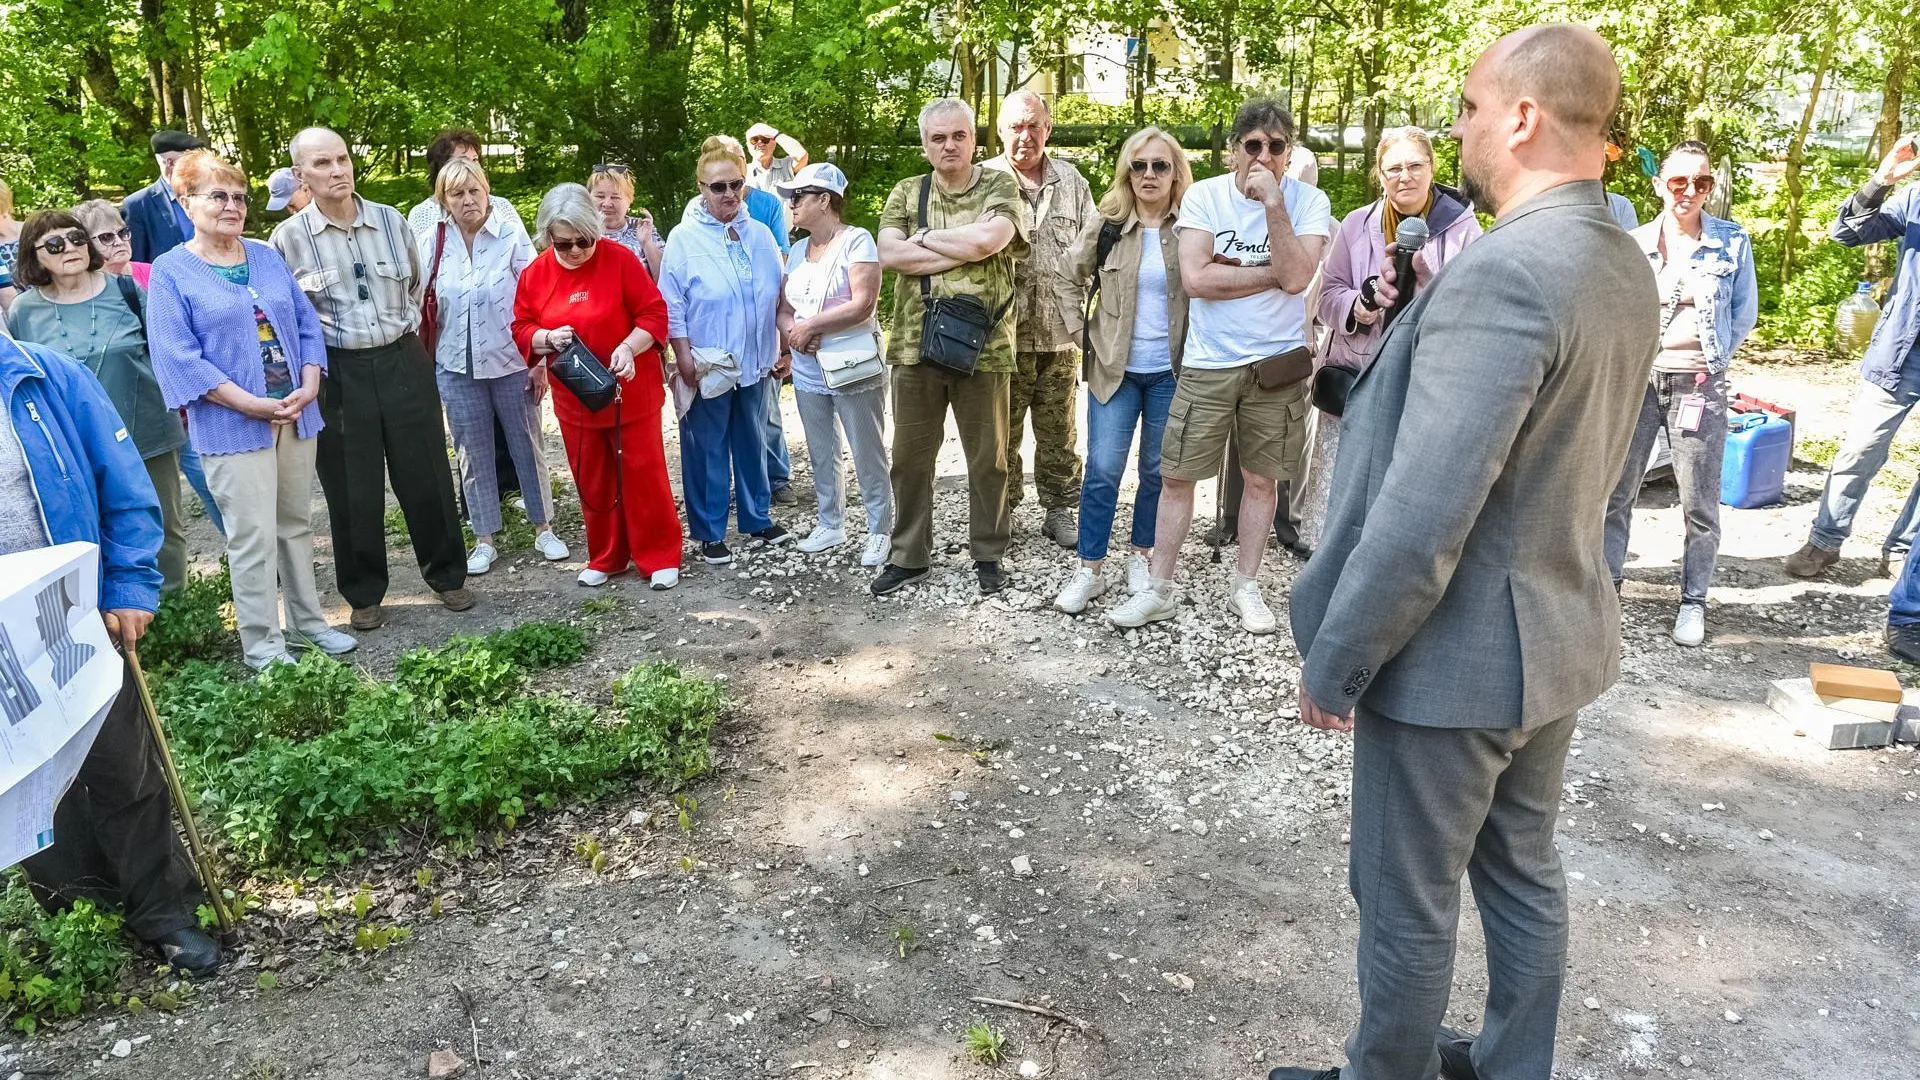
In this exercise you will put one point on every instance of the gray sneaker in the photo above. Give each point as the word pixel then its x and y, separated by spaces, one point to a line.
pixel 329 641
pixel 1061 528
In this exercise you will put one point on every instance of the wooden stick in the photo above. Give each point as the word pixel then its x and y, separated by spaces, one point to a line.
pixel 902 884
pixel 1038 1010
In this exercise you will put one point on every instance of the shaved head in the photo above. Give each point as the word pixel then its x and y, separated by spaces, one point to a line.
pixel 1568 70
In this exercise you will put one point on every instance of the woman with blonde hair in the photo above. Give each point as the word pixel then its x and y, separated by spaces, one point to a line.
pixel 1403 168
pixel 611 189
pixel 1133 344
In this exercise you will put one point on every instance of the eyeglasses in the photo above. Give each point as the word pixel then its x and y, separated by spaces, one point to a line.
pixel 58 243
pixel 360 277
pixel 570 246
pixel 123 235
pixel 612 167
pixel 1408 171
pixel 224 198
pixel 1159 166
pixel 794 197
pixel 1678 185
pixel 1255 147
pixel 725 187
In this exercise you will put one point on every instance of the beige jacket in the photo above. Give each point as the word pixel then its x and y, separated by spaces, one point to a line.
pixel 1049 298
pixel 1111 331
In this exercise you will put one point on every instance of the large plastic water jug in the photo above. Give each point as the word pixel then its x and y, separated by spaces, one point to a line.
pixel 1753 468
pixel 1853 322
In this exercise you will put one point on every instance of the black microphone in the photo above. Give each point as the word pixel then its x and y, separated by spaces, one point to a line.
pixel 1408 239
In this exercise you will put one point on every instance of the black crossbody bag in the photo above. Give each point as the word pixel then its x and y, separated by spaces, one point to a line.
pixel 576 368
pixel 954 330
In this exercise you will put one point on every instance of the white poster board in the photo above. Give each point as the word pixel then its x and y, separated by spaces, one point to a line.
pixel 58 675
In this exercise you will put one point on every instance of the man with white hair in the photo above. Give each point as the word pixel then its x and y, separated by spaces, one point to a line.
pixel 1050 308
pixel 358 263
pixel 765 170
pixel 951 236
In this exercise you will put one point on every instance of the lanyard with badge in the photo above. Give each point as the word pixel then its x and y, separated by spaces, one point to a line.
pixel 1693 407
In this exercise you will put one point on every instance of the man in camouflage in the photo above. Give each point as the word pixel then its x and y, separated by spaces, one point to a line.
pixel 975 228
pixel 1050 304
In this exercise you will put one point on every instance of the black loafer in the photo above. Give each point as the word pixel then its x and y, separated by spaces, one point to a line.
pixel 992 578
pixel 190 951
pixel 894 578
pixel 1456 1054
pixel 1904 642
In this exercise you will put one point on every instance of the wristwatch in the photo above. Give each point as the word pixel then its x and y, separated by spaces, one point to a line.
pixel 921 236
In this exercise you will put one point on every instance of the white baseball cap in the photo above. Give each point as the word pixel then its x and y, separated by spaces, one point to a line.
pixel 761 131
pixel 821 174
pixel 280 188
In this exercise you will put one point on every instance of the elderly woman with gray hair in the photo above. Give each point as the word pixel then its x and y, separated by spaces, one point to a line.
pixel 585 289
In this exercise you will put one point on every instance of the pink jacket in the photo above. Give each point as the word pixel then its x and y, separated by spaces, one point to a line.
pixel 1356 254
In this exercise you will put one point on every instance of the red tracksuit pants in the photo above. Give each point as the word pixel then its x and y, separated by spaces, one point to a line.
pixel 625 497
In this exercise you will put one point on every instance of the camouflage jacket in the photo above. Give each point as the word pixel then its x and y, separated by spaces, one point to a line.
pixel 990 279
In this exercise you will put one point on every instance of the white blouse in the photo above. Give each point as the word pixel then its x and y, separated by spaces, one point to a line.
pixel 476 296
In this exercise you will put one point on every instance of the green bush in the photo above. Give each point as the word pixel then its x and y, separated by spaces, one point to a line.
pixel 194 623
pixel 1824 271
pixel 51 965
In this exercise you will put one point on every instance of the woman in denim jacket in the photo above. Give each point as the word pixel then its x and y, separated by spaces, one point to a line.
pixel 1703 266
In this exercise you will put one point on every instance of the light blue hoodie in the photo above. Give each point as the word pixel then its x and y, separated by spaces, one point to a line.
pixel 721 293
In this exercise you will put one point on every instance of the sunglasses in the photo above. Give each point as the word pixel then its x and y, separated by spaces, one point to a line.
pixel 1678 185
pixel 571 245
pixel 123 235
pixel 224 198
pixel 794 197
pixel 612 167
pixel 1158 166
pixel 725 187
pixel 1254 147
pixel 360 277
pixel 58 243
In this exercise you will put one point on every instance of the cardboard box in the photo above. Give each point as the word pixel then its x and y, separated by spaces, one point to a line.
pixel 1842 681
pixel 1834 729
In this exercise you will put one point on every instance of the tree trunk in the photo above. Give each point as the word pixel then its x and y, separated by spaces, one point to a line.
pixel 1887 131
pixel 1223 72
pixel 1137 75
pixel 746 32
pixel 1797 149
pixel 993 101
pixel 1304 118
pixel 1341 117
pixel 1374 112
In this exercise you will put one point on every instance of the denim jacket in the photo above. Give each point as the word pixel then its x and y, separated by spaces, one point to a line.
pixel 1867 218
pixel 1724 292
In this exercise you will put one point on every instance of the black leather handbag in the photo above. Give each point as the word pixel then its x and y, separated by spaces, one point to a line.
pixel 585 377
pixel 954 330
pixel 1331 385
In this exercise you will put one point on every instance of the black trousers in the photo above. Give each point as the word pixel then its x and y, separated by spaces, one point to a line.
pixel 382 411
pixel 114 842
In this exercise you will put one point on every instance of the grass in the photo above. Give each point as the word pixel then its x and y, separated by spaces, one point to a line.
pixel 986 1044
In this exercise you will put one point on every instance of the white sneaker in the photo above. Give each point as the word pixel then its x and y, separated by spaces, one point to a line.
pixel 1085 584
pixel 592 578
pixel 1690 625
pixel 518 502
pixel 1256 617
pixel 1143 607
pixel 1138 576
pixel 877 549
pixel 823 538
pixel 272 661
pixel 551 547
pixel 662 580
pixel 329 641
pixel 482 559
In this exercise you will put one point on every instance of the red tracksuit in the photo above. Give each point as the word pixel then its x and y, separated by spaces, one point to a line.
pixel 618 460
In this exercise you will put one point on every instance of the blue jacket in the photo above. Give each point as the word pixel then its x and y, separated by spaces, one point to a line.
pixel 149 214
pixel 1867 218
pixel 86 473
pixel 1724 291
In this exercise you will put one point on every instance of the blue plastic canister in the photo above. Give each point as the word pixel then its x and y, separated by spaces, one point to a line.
pixel 1753 469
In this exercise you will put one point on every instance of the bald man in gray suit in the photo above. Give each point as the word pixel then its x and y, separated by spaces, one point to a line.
pixel 1459 611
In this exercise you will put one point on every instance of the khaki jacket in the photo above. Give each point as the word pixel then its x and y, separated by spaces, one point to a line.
pixel 1111 331
pixel 1049 298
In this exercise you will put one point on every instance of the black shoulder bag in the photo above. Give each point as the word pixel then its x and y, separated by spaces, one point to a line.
pixel 1102 247
pixel 585 377
pixel 954 330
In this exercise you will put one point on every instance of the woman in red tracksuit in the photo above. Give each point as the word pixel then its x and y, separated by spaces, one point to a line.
pixel 597 292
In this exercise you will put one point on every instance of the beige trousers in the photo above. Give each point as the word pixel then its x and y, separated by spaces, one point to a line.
pixel 266 497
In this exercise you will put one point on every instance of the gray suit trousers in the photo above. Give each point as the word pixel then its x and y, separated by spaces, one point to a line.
pixel 1429 805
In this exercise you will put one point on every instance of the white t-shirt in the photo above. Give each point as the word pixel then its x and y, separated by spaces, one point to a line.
pixel 814 287
pixel 1149 352
pixel 1235 333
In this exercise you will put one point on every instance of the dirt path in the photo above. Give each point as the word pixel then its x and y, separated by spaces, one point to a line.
pixel 1127 827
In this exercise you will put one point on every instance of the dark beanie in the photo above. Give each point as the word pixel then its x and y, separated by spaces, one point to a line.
pixel 167 142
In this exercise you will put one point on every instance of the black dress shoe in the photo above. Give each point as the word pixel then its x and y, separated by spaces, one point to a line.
pixel 190 951
pixel 992 578
pixel 894 578
pixel 1456 1054
pixel 1904 642
pixel 1304 1074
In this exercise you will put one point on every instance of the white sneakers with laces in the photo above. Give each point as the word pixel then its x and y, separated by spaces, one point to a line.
pixel 1244 600
pixel 822 539
pixel 878 546
pixel 482 559
pixel 551 547
pixel 1690 625
pixel 1150 604
pixel 1085 584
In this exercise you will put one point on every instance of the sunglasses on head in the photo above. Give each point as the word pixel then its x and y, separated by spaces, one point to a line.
pixel 725 187
pixel 223 198
pixel 58 243
pixel 572 245
pixel 612 167
pixel 1254 147
pixel 123 234
pixel 1678 184
pixel 1158 166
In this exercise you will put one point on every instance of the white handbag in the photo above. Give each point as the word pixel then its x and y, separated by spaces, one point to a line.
pixel 849 357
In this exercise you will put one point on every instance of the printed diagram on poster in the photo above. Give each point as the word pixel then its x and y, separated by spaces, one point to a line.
pixel 58 674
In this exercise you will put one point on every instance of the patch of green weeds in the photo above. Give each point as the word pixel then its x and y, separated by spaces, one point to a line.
pixel 986 1044
pixel 905 938
pixel 195 622
pixel 52 966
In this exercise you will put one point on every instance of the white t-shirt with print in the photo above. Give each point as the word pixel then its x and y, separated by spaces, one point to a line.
pixel 1235 333
pixel 813 287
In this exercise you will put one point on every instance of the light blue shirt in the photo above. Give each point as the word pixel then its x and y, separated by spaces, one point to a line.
pixel 721 293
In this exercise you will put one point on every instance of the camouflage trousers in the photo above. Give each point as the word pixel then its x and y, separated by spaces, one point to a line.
pixel 1043 385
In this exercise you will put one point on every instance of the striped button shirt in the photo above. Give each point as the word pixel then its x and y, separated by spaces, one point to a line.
pixel 365 279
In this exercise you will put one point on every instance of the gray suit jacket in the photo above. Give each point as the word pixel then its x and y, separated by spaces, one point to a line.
pixel 1460 580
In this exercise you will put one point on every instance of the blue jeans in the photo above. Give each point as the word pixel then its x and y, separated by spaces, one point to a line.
pixel 197 480
pixel 779 465
pixel 1877 416
pixel 723 453
pixel 1903 604
pixel 1141 401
